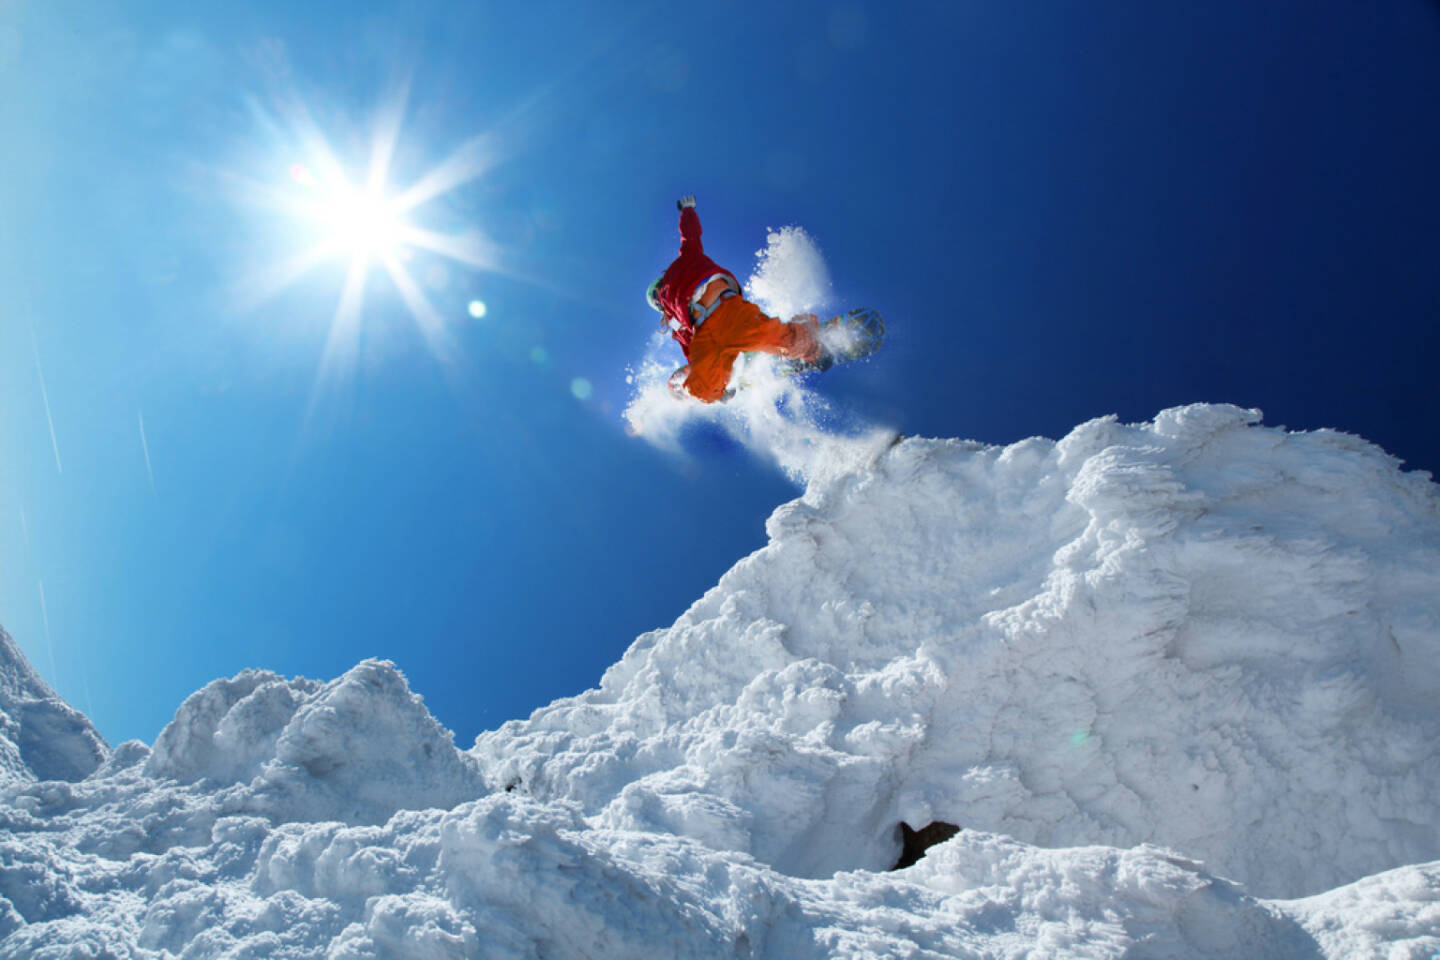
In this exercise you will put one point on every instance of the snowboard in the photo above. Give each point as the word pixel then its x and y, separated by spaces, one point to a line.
pixel 846 338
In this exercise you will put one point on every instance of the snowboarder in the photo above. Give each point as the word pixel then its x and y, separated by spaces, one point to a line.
pixel 700 303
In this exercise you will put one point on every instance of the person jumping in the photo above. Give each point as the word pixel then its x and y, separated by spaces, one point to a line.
pixel 700 303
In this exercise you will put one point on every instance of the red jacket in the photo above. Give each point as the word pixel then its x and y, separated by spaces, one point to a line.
pixel 679 282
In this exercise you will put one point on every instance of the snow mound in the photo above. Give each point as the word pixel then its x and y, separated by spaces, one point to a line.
pixel 356 749
pixel 41 736
pixel 1157 673
pixel 1196 632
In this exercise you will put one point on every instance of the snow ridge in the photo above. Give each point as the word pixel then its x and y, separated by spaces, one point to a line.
pixel 41 736
pixel 1161 674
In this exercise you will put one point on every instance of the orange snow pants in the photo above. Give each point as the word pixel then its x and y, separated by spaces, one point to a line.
pixel 738 326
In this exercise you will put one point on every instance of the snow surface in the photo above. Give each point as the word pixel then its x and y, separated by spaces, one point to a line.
pixel 1178 682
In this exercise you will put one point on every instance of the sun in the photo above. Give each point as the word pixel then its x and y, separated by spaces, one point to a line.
pixel 366 223
pixel 362 223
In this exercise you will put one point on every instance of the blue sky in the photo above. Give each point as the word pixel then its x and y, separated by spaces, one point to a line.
pixel 1064 210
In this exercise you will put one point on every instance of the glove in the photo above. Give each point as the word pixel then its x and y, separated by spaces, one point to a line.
pixel 684 202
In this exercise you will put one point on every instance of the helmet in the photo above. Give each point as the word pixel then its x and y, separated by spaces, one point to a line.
pixel 652 295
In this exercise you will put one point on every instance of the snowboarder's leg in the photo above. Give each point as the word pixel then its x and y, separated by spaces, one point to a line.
pixel 738 326
pixel 709 373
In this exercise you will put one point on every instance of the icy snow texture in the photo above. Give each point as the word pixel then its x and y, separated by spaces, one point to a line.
pixel 1108 659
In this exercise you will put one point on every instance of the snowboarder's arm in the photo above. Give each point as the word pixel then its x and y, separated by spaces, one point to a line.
pixel 689 227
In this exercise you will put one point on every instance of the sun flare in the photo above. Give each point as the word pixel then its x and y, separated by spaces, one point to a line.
pixel 369 225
